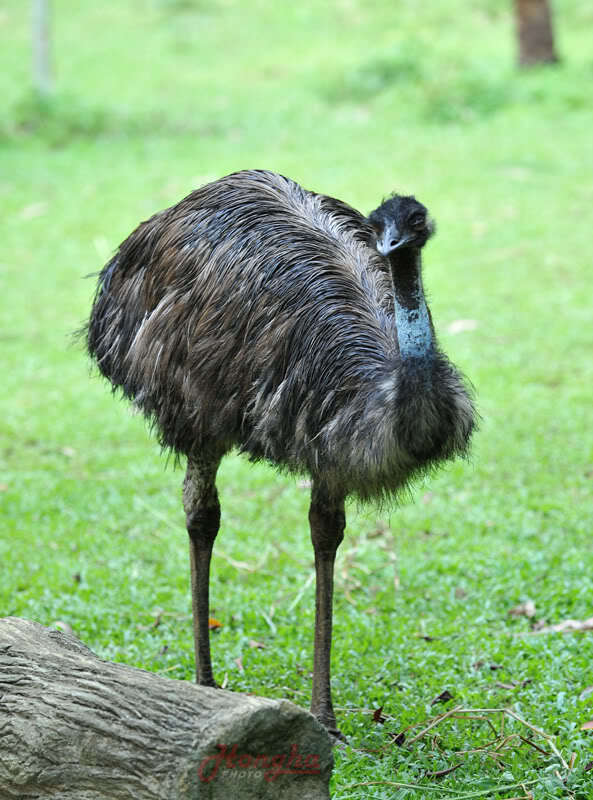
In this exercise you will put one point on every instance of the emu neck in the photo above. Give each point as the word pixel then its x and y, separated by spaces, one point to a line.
pixel 414 330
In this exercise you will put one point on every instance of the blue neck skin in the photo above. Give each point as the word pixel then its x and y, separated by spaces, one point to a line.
pixel 414 331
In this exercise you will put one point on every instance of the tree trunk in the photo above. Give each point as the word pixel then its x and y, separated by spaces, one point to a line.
pixel 75 727
pixel 535 33
pixel 42 72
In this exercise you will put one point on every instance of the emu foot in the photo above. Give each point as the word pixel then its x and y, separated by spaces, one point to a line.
pixel 338 738
pixel 207 680
pixel 327 718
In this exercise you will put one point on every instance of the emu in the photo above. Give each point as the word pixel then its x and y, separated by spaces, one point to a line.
pixel 257 315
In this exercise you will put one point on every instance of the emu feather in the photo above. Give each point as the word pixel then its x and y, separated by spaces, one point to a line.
pixel 257 315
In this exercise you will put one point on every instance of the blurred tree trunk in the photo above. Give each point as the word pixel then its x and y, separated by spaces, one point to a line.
pixel 535 33
pixel 42 71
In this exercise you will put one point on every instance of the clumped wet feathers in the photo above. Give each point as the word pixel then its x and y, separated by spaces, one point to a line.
pixel 258 315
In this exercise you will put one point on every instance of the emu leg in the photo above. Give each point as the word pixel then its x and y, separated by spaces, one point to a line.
pixel 327 521
pixel 202 515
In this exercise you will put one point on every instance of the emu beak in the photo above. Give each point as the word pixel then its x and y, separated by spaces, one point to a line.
pixel 391 240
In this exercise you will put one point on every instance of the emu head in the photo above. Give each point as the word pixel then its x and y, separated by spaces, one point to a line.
pixel 401 221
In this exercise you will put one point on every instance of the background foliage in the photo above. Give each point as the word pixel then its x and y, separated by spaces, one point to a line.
pixel 354 98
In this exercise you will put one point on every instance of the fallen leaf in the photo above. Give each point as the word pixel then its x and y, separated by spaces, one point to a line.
pixel 588 766
pixel 569 625
pixel 259 645
pixel 157 620
pixel 213 623
pixel 512 685
pixel 3 487
pixel 538 625
pixel 492 666
pixel 65 627
pixel 34 210
pixel 586 692
pixel 399 739
pixel 526 609
pixel 155 623
pixel 378 716
pixel 239 663
pixel 587 726
pixel 460 593
pixel 442 772
pixel 461 325
pixel 443 697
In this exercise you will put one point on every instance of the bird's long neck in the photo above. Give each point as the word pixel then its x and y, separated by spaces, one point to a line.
pixel 414 330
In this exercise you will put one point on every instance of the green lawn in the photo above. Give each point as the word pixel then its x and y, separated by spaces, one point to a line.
pixel 355 99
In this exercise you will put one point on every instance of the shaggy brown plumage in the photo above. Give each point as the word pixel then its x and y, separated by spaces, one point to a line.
pixel 258 315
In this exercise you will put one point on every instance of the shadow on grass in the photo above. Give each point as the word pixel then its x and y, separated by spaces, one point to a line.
pixel 459 90
pixel 61 118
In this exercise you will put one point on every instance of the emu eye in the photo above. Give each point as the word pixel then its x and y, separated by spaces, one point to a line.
pixel 417 220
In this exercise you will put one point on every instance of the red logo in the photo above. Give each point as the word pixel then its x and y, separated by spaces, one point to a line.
pixel 292 763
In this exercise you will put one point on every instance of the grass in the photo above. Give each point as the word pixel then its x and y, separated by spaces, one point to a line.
pixel 353 99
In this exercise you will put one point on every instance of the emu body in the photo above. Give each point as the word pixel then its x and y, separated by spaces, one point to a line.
pixel 260 316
